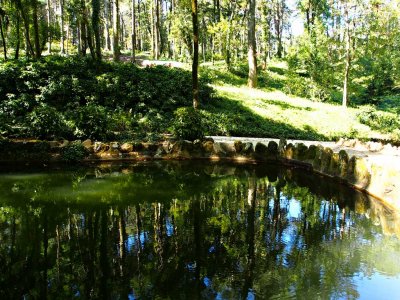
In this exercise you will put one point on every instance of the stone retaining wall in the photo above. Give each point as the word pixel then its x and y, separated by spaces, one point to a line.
pixel 381 180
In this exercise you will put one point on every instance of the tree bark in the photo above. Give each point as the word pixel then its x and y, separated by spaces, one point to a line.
pixel 195 65
pixel 133 35
pixel 345 100
pixel 116 25
pixel 251 41
pixel 96 27
pixel 62 37
pixel 38 51
pixel 49 35
pixel 3 39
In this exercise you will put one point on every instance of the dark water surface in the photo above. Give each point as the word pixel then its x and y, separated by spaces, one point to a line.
pixel 192 231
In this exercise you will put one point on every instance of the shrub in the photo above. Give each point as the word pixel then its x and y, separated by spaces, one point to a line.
pixel 45 122
pixel 74 152
pixel 91 121
pixel 187 124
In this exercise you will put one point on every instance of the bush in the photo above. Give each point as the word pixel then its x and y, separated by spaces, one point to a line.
pixel 45 122
pixel 187 124
pixel 378 120
pixel 91 121
pixel 74 152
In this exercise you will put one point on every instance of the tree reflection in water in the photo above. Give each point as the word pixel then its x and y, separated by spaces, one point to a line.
pixel 178 231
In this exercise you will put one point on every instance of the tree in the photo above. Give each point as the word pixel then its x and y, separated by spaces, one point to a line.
pixel 96 27
pixel 251 43
pixel 195 65
pixel 3 39
pixel 116 27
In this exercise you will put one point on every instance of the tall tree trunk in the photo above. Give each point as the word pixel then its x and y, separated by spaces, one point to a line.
pixel 107 44
pixel 3 39
pixel 251 41
pixel 96 27
pixel 38 51
pixel 62 37
pixel 49 35
pixel 133 34
pixel 195 65
pixel 347 57
pixel 17 47
pixel 116 25
pixel 29 48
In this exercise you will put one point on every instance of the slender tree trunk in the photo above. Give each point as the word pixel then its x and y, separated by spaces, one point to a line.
pixel 251 41
pixel 3 39
pixel 96 27
pixel 195 65
pixel 133 34
pixel 107 25
pixel 347 57
pixel 49 35
pixel 38 51
pixel 17 47
pixel 62 37
pixel 116 26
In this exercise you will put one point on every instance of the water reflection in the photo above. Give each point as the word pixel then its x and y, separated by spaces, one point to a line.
pixel 178 231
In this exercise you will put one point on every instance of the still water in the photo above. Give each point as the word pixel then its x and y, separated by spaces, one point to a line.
pixel 192 231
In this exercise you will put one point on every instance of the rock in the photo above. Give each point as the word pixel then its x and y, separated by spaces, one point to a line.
pixel 126 147
pixel 207 146
pixel 311 152
pixel 343 163
pixel 334 166
pixel 87 143
pixel 248 149
pixel 238 146
pixel 358 172
pixel 316 163
pixel 282 146
pixel 218 150
pixel 374 146
pixel 160 152
pixel 64 143
pixel 326 157
pixel 151 147
pixel 182 149
pixel 99 147
pixel 289 151
pixel 114 146
pixel 272 150
pixel 349 143
pixel 137 147
pixel 261 151
pixel 301 152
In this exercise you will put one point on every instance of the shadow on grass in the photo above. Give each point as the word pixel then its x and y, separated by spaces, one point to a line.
pixel 284 105
pixel 228 117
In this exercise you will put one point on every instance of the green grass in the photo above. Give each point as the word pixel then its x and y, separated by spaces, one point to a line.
pixel 270 112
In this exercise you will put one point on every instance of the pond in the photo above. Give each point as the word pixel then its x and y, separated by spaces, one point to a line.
pixel 176 230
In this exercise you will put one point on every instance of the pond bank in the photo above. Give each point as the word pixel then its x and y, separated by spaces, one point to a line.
pixel 371 167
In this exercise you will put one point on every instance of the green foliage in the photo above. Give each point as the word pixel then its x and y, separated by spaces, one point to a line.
pixel 187 124
pixel 91 121
pixel 79 98
pixel 384 121
pixel 46 122
pixel 74 152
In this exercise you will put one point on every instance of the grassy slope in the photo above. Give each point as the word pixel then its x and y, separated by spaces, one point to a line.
pixel 281 114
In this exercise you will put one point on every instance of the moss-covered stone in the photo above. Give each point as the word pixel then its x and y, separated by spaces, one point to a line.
pixel 238 146
pixel 311 152
pixel 248 149
pixel 326 157
pixel 334 168
pixel 358 172
pixel 261 151
pixel 300 152
pixel 289 151
pixel 272 150
pixel 343 163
